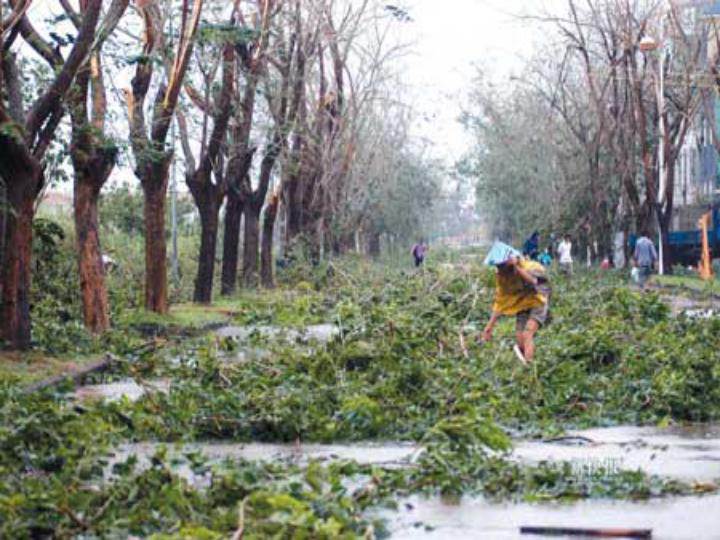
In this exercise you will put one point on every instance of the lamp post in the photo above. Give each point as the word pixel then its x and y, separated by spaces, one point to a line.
pixel 648 44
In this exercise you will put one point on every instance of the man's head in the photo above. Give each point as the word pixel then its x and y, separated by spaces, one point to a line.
pixel 500 253
pixel 508 266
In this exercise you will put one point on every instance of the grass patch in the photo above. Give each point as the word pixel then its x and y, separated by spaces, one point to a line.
pixel 28 367
pixel 182 316
pixel 687 282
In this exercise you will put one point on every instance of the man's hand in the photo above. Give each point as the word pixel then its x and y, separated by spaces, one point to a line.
pixel 487 333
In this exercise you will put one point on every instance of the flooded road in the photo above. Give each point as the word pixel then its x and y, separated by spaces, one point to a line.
pixel 687 453
pixel 124 389
pixel 398 454
pixel 675 518
pixel 690 453
pixel 693 308
pixel 319 332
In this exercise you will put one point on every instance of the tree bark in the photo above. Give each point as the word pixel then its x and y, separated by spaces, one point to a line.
pixel 231 243
pixel 22 147
pixel 93 159
pixel 90 264
pixel 251 243
pixel 208 242
pixel 266 258
pixel 3 220
pixel 374 245
pixel 151 158
pixel 17 269
pixel 154 190
pixel 208 198
pixel 293 208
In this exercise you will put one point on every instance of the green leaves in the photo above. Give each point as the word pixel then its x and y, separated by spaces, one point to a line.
pixel 397 371
pixel 218 34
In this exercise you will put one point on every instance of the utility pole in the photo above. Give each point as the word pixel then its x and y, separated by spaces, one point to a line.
pixel 662 180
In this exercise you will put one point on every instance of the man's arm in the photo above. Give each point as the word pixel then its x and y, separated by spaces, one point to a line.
pixel 524 274
pixel 487 333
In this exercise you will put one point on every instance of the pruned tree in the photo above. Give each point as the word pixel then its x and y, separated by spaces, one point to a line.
pixel 25 136
pixel 149 142
pixel 256 61
pixel 93 155
pixel 241 150
pixel 207 193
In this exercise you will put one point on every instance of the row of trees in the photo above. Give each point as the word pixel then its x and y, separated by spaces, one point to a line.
pixel 574 145
pixel 281 106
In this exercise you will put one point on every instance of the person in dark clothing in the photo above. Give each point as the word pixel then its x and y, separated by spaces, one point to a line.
pixel 418 253
pixel 530 247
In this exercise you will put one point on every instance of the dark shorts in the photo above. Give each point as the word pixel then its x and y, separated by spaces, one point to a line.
pixel 540 314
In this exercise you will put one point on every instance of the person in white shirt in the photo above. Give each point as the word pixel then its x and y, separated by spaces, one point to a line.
pixel 565 255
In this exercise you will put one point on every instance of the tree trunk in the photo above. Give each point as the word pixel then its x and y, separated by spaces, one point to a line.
pixel 346 243
pixel 154 190
pixel 374 245
pixel 16 270
pixel 664 232
pixel 3 221
pixel 293 211
pixel 251 241
pixel 231 242
pixel 266 259
pixel 90 264
pixel 208 242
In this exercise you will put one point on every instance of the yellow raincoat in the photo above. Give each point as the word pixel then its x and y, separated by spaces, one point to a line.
pixel 513 294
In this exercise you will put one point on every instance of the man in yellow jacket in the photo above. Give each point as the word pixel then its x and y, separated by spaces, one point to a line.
pixel 522 290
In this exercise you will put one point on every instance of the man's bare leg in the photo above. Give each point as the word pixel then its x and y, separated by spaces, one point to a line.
pixel 528 346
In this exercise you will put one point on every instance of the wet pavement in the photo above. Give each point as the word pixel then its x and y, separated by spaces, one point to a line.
pixel 246 352
pixel 396 454
pixel 319 332
pixel 125 389
pixel 673 518
pixel 692 307
pixel 690 453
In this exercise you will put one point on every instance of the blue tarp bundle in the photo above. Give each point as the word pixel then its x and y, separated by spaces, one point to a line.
pixel 499 253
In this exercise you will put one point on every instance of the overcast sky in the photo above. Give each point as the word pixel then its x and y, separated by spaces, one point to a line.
pixel 450 36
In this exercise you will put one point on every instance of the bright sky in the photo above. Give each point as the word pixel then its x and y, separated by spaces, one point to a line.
pixel 450 37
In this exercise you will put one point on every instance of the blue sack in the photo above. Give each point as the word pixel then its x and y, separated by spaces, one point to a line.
pixel 499 253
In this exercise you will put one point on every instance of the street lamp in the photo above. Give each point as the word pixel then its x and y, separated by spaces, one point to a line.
pixel 646 45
